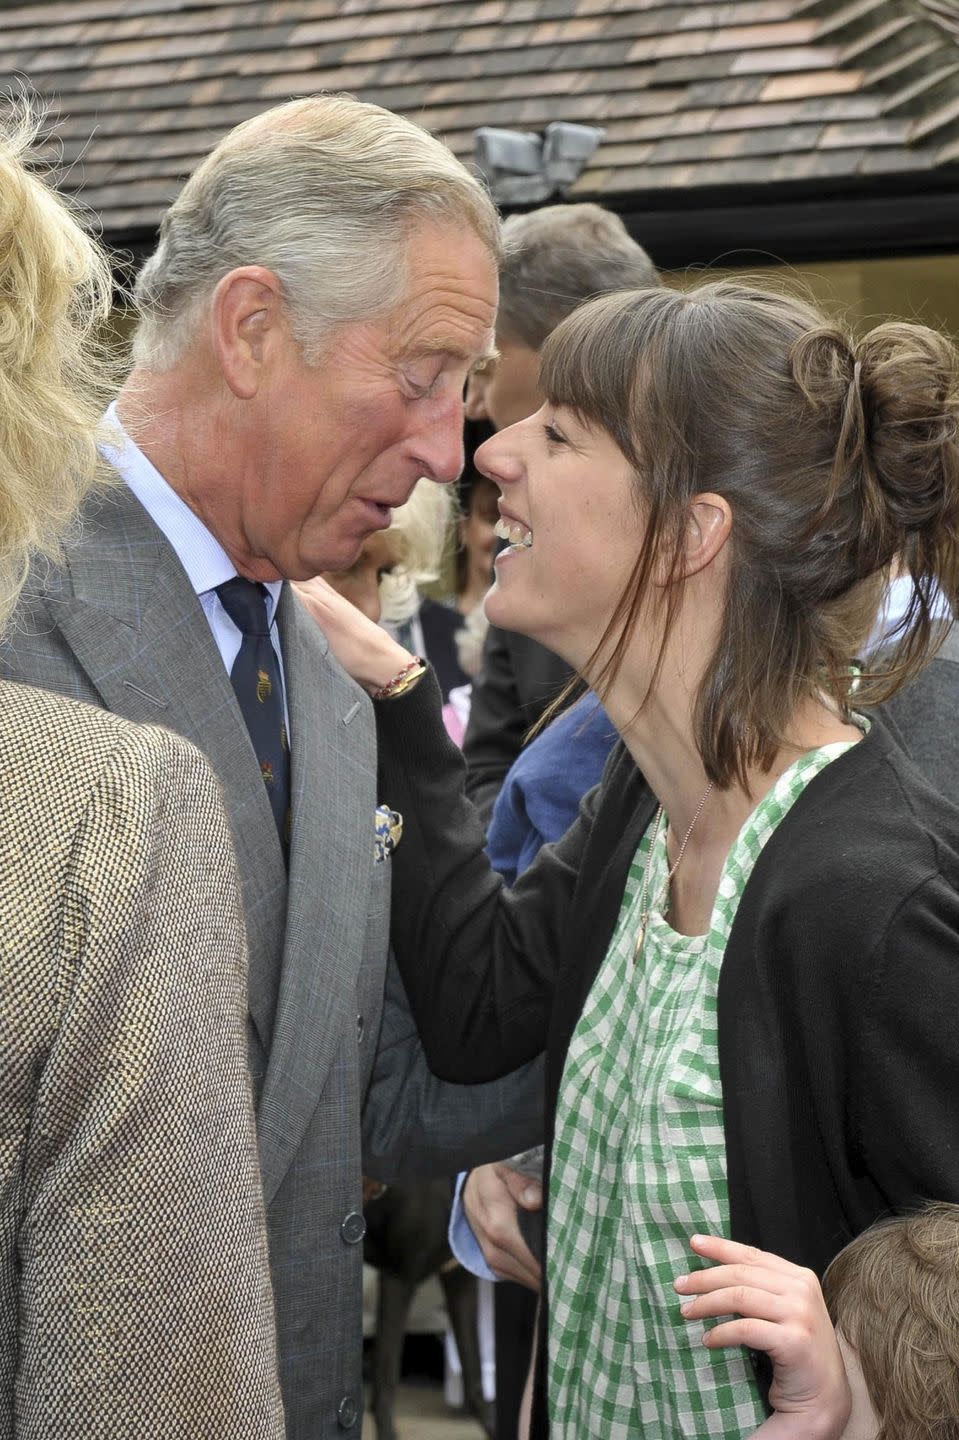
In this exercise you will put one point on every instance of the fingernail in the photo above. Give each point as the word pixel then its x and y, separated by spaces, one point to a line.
pixel 530 1195
pixel 696 1239
pixel 681 1282
pixel 686 1306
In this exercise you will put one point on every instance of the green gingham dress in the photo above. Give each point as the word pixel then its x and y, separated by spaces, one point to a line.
pixel 639 1166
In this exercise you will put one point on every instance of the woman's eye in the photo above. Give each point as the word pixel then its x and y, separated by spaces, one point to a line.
pixel 554 436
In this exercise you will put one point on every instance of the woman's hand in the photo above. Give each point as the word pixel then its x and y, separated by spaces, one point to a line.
pixel 782 1312
pixel 366 652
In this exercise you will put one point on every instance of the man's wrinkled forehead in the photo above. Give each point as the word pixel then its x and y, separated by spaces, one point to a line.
pixel 450 303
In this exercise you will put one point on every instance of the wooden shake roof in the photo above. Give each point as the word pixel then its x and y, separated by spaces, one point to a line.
pixel 702 99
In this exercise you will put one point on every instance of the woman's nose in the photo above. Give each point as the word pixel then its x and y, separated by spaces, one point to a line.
pixel 498 458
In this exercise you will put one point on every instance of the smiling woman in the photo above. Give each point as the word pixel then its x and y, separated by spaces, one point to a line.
pixel 741 956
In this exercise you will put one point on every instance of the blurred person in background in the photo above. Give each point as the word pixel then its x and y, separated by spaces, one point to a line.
pixel 385 583
pixel 134 1278
pixel 554 259
pixel 385 579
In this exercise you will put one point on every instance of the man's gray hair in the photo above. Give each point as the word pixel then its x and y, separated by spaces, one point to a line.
pixel 558 257
pixel 325 193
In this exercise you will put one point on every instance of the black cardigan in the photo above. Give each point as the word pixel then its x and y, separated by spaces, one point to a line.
pixel 838 994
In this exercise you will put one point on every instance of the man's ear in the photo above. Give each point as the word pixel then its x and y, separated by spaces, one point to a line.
pixel 709 525
pixel 246 316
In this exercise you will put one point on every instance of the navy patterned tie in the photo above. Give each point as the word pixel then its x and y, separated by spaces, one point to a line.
pixel 258 684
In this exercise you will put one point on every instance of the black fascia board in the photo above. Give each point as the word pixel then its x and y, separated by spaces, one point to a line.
pixel 760 224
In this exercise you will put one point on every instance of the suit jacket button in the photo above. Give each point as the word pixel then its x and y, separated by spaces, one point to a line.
pixel 360 1027
pixel 347 1413
pixel 352 1230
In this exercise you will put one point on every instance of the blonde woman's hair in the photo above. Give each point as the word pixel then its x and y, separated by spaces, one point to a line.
pixel 55 297
pixel 894 1295
pixel 323 192
pixel 424 528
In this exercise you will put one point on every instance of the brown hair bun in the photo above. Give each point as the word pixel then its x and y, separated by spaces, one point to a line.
pixel 909 384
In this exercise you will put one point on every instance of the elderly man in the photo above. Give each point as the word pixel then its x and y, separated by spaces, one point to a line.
pixel 321 290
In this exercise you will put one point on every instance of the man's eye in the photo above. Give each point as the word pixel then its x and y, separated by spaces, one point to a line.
pixel 422 385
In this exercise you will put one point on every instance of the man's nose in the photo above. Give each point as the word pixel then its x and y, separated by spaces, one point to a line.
pixel 440 449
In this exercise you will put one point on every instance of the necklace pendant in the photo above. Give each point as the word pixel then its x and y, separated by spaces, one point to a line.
pixel 643 922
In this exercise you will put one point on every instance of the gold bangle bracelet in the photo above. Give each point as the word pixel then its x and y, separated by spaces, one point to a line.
pixel 405 680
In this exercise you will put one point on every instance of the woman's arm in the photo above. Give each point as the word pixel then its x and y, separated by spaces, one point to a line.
pixel 145 1305
pixel 479 963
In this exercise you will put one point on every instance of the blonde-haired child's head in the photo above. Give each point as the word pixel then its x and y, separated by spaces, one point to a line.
pixel 893 1296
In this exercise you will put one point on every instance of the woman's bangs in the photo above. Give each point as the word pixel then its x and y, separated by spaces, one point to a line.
pixel 589 361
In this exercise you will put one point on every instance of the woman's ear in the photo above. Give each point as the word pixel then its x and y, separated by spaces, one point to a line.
pixel 246 312
pixel 709 525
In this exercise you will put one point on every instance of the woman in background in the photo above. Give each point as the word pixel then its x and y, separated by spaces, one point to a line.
pixel 134 1290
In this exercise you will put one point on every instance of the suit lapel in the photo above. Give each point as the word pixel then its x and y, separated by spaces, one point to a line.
pixel 139 632
pixel 333 800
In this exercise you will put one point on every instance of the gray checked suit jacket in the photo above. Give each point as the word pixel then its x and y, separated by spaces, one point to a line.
pixel 333 1048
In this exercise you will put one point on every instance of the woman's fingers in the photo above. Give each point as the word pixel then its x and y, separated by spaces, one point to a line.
pixel 365 651
pixel 724 1277
pixel 745 1266
pixel 749 1332
pixel 738 1300
pixel 731 1252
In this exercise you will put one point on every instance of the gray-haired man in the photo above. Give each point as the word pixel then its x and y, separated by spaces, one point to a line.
pixel 322 288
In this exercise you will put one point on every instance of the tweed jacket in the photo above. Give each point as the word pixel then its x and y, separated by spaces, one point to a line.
pixel 134 1292
pixel 330 1049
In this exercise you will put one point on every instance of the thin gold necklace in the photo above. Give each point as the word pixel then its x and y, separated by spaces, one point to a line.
pixel 646 909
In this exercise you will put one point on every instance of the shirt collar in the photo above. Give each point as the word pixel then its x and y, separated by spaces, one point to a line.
pixel 200 553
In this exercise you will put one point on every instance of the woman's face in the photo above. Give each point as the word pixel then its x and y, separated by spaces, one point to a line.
pixel 568 495
pixel 361 583
pixel 477 527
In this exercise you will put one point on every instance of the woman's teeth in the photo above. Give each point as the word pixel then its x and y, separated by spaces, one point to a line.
pixel 519 537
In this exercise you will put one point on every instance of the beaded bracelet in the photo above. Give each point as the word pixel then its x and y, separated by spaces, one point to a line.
pixel 402 682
